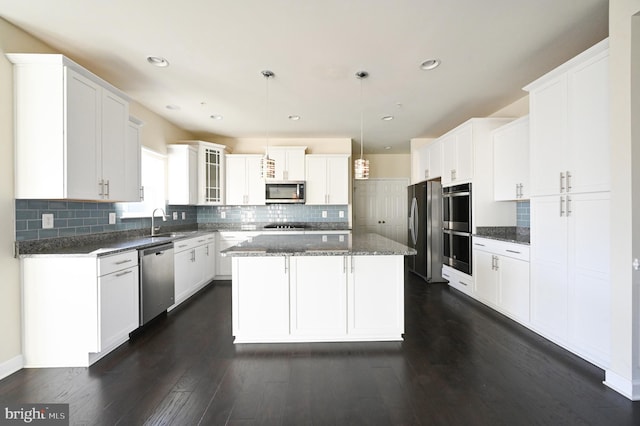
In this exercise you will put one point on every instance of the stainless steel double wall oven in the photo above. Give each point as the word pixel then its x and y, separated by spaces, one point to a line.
pixel 456 221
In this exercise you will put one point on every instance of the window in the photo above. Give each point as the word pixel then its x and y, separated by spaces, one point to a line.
pixel 153 172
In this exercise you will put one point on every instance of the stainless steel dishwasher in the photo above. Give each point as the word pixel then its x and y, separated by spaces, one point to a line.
pixel 157 290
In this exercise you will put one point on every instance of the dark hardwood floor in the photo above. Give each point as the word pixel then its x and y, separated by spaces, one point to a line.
pixel 460 364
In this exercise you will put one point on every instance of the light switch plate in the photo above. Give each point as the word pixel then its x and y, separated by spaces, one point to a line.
pixel 341 213
pixel 175 215
pixel 47 220
pixel 184 215
pixel 324 214
pixel 112 218
pixel 223 215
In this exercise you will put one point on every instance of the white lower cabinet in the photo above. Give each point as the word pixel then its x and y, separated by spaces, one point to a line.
pixel 77 309
pixel 318 298
pixel 501 276
pixel 260 298
pixel 194 265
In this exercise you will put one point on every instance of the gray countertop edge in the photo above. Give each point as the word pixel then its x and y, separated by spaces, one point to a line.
pixel 258 253
pixel 506 240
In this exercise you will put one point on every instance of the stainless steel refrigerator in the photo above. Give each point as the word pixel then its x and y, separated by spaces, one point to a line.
pixel 425 230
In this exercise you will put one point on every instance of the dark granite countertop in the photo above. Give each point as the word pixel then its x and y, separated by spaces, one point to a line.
pixel 114 242
pixel 319 245
pixel 512 234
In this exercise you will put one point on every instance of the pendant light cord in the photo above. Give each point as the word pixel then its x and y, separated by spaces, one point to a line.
pixel 361 122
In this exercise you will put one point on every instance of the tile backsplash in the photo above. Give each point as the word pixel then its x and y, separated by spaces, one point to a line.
pixel 523 213
pixel 74 218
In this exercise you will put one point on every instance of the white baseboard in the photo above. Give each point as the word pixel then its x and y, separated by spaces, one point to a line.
pixel 10 366
pixel 622 385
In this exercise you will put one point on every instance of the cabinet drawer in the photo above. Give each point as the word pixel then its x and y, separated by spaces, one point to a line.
pixel 189 243
pixel 117 262
pixel 502 248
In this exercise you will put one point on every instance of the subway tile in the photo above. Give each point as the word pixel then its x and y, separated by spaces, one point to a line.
pixel 22 204
pixel 38 204
pixel 57 205
pixel 26 235
pixel 48 233
pixel 26 214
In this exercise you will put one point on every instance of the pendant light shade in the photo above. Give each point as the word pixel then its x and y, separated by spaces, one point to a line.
pixel 361 166
pixel 267 164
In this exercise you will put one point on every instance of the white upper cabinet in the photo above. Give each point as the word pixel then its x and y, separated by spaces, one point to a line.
pixel 457 155
pixel 327 179
pixel 132 169
pixel 290 162
pixel 208 177
pixel 569 119
pixel 245 186
pixel 430 161
pixel 72 132
pixel 511 161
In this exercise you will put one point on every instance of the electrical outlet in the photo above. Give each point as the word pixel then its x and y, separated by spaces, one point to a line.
pixel 341 213
pixel 184 215
pixel 175 215
pixel 324 214
pixel 47 221
pixel 112 218
pixel 324 238
pixel 341 238
pixel 223 215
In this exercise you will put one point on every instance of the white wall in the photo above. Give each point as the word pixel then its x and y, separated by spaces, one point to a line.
pixel 389 166
pixel 258 145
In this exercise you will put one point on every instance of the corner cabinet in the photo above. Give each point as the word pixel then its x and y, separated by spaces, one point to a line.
pixel 245 185
pixel 327 179
pixel 71 132
pixel 199 172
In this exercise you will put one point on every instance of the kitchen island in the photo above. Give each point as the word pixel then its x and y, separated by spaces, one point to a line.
pixel 318 288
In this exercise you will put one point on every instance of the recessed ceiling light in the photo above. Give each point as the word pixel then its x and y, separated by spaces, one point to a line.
pixel 173 107
pixel 294 117
pixel 387 117
pixel 430 64
pixel 158 61
pixel 216 117
pixel 387 147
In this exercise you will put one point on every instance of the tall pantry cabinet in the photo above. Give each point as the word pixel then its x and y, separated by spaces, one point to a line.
pixel 570 183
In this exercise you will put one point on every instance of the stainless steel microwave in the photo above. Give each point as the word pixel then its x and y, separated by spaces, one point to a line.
pixel 284 192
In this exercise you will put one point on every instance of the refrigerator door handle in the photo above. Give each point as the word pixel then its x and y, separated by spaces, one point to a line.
pixel 412 222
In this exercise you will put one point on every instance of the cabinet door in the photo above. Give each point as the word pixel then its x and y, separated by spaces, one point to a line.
pixel 548 121
pixel 83 157
pixel 114 140
pixel 260 297
pixel 255 183
pixel 316 180
pixel 119 306
pixel 236 180
pixel 319 296
pixel 375 301
pixel 186 273
pixel 448 158
pixel 511 161
pixel 588 110
pixel 132 160
pixel 337 180
pixel 485 276
pixel 211 175
pixel 424 162
pixel 435 160
pixel 589 270
pixel 464 154
pixel 210 260
pixel 513 295
pixel 549 267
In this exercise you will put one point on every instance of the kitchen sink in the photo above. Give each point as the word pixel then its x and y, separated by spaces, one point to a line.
pixel 174 234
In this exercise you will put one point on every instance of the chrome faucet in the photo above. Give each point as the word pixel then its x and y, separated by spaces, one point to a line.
pixel 153 216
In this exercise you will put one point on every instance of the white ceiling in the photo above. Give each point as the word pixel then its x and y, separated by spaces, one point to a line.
pixel 489 50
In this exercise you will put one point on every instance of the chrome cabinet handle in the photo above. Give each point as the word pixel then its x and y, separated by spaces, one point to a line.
pixel 123 261
pixel 128 271
pixel 286 264
pixel 344 264
pixel 101 184
pixel 426 173
pixel 193 255
pixel 561 182
pixel 568 181
pixel 352 264
pixel 568 206
pixel 561 206
pixel 108 190
pixel 142 193
pixel 512 251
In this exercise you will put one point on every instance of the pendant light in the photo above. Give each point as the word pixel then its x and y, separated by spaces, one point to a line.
pixel 361 166
pixel 267 165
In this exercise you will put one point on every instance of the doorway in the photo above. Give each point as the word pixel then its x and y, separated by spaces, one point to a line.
pixel 380 206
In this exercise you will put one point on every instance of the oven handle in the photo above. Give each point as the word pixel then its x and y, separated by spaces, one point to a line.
pixel 455 194
pixel 452 232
